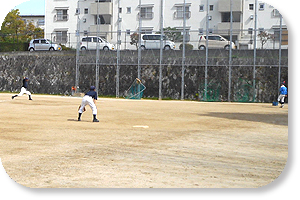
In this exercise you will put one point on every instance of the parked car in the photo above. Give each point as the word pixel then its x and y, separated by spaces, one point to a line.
pixel 43 45
pixel 214 42
pixel 152 41
pixel 90 43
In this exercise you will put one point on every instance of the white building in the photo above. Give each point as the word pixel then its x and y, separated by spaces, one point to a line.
pixel 36 20
pixel 64 17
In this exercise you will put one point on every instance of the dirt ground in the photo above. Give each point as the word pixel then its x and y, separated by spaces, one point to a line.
pixel 142 143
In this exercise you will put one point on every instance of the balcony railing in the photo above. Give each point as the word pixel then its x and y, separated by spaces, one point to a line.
pixel 179 14
pixel 103 8
pixel 146 15
pixel 60 18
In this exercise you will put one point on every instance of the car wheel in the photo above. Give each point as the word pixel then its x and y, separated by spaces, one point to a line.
pixel 105 48
pixel 143 48
pixel 167 48
pixel 227 47
pixel 51 49
pixel 31 49
pixel 83 48
pixel 201 47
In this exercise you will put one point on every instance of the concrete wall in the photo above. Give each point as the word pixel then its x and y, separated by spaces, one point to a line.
pixel 54 73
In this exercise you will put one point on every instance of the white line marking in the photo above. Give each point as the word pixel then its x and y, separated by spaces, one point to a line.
pixel 138 126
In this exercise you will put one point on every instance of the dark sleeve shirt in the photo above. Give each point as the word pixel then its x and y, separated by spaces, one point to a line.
pixel 92 94
pixel 25 83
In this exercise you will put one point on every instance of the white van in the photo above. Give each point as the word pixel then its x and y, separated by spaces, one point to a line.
pixel 152 41
pixel 90 43
pixel 214 42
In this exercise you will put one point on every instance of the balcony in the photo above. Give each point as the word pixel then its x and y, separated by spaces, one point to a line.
pixel 103 8
pixel 104 28
pixel 224 6
pixel 224 27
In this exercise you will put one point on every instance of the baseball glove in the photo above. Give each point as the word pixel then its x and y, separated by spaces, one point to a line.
pixel 83 108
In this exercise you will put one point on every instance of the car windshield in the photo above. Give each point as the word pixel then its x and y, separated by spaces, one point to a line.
pixel 50 41
pixel 104 40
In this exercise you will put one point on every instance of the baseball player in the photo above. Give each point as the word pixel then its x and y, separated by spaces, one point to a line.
pixel 24 89
pixel 89 99
pixel 283 94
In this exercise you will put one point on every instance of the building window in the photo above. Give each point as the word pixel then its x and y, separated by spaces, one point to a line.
pixel 86 11
pixel 201 8
pixel 251 6
pixel 179 12
pixel 236 17
pixel 41 22
pixel 250 31
pixel 211 7
pixel 127 31
pixel 261 30
pixel 61 37
pixel 261 6
pixel 62 15
pixel 128 10
pixel 146 30
pixel 146 13
pixel 120 10
pixel 275 13
pixel 102 19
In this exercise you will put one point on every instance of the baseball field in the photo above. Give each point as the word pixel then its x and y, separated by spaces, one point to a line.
pixel 142 143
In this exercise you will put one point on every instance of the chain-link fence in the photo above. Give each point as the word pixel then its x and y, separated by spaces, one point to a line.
pixel 203 70
pixel 206 70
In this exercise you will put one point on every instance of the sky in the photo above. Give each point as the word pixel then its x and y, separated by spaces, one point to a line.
pixel 32 7
pixel 25 7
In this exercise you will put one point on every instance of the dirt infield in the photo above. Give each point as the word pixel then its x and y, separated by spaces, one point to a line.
pixel 141 143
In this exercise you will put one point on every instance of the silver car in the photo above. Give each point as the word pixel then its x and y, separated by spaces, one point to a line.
pixel 43 45
pixel 215 42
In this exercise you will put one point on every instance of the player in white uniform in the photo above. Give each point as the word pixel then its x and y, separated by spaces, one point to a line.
pixel 89 99
pixel 24 89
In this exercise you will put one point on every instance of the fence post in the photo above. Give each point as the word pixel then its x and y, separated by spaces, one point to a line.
pixel 161 48
pixel 183 52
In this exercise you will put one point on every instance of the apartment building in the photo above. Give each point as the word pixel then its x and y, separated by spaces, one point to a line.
pixel 36 20
pixel 65 18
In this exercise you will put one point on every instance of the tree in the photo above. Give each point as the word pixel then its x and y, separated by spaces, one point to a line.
pixel 15 30
pixel 173 34
pixel 134 39
pixel 264 37
pixel 12 27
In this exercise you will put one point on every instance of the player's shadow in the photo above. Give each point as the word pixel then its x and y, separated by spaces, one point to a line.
pixel 276 119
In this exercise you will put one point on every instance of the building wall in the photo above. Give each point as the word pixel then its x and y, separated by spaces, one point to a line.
pixel 37 20
pixel 130 21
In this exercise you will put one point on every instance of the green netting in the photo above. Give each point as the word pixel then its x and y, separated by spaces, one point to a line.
pixel 135 91
pixel 213 91
pixel 243 91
